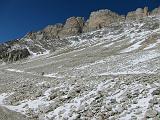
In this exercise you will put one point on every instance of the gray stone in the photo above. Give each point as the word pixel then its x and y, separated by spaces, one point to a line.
pixel 108 107
pixel 154 101
pixel 156 92
pixel 133 118
pixel 44 109
pixel 38 93
pixel 151 113
pixel 119 109
pixel 137 112
pixel 113 100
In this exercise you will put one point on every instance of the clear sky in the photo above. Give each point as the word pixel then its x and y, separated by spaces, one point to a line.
pixel 18 17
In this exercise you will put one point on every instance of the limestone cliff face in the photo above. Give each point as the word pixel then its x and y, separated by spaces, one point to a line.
pixel 102 18
pixel 52 31
pixel 73 26
pixel 138 14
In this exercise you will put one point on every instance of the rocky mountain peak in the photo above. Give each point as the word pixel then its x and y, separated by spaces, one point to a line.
pixel 73 26
pixel 102 18
pixel 138 14
pixel 73 22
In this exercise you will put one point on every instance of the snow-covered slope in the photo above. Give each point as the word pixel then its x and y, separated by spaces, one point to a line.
pixel 110 74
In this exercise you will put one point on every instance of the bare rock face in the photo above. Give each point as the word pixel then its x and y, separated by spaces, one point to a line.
pixel 6 114
pixel 13 52
pixel 49 32
pixel 52 31
pixel 145 10
pixel 138 14
pixel 135 14
pixel 31 35
pixel 73 26
pixel 15 55
pixel 102 18
pixel 156 11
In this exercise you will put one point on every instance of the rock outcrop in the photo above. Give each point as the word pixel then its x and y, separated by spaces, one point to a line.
pixel 138 14
pixel 52 31
pixel 73 26
pixel 102 18
pixel 12 51
pixel 145 10
pixel 14 55
pixel 156 11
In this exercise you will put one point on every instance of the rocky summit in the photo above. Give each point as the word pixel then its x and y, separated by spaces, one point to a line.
pixel 105 68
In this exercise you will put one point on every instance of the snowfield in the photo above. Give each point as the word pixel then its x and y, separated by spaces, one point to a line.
pixel 108 74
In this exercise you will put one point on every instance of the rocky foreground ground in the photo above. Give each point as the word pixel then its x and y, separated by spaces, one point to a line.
pixel 108 74
pixel 6 114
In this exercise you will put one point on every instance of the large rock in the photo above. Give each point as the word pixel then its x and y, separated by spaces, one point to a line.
pixel 73 26
pixel 156 92
pixel 6 114
pixel 151 113
pixel 102 18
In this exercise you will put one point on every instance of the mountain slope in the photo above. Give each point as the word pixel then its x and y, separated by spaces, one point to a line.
pixel 111 73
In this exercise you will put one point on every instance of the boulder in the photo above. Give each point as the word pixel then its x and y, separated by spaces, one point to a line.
pixel 156 92
pixel 151 113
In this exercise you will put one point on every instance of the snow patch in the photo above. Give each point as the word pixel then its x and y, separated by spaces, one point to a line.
pixel 133 47
pixel 14 70
pixel 125 73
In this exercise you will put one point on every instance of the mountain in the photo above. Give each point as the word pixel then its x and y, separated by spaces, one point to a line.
pixel 105 68
pixel 53 37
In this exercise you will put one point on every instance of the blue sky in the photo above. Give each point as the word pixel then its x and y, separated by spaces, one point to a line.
pixel 18 17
